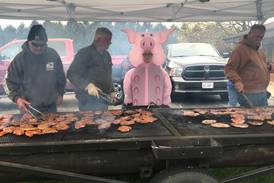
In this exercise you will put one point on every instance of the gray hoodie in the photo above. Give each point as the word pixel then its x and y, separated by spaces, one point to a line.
pixel 36 78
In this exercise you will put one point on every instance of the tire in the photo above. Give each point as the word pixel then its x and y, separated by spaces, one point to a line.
pixel 177 97
pixel 224 97
pixel 118 88
pixel 182 176
pixel 174 97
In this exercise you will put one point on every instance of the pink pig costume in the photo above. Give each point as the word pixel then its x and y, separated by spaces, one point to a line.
pixel 147 82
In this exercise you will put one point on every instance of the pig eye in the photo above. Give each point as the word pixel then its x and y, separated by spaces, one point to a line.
pixel 151 35
pixel 142 35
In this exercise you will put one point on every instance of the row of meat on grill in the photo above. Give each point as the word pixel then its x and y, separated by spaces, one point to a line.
pixel 239 117
pixel 55 122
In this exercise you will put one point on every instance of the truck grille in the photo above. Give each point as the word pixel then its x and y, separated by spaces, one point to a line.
pixel 204 72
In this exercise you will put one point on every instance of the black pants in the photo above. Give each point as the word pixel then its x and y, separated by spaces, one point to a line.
pixel 93 104
pixel 90 103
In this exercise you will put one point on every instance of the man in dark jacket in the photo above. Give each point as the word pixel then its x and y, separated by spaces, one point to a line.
pixel 91 72
pixel 36 75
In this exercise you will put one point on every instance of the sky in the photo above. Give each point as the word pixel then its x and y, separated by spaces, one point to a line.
pixel 15 23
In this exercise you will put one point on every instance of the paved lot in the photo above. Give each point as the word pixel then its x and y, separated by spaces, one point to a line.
pixel 70 103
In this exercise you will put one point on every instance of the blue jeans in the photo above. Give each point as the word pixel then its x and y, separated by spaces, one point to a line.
pixel 232 95
pixel 257 99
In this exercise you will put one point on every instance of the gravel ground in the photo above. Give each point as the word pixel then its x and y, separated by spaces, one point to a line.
pixel 70 103
pixel 189 101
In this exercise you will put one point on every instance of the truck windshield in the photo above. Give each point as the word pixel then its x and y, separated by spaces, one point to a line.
pixel 10 52
pixel 192 49
pixel 59 46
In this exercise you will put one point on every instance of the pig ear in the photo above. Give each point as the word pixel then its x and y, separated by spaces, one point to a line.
pixel 130 34
pixel 164 35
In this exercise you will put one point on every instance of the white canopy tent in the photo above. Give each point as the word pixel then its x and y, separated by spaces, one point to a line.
pixel 138 10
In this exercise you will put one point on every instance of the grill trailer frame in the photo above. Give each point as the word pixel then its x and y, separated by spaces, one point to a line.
pixel 138 154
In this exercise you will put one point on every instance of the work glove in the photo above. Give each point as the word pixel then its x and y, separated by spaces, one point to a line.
pixel 22 104
pixel 93 90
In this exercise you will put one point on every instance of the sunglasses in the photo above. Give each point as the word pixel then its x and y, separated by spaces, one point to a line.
pixel 38 45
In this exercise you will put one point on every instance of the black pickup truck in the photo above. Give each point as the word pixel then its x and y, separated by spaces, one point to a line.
pixel 196 68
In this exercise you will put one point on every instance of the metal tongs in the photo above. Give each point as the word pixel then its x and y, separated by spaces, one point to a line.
pixel 151 104
pixel 248 101
pixel 37 116
pixel 106 97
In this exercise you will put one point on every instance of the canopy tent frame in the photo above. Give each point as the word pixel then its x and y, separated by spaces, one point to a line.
pixel 152 11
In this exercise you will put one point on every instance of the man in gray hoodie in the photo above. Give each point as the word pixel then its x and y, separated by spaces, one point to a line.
pixel 36 75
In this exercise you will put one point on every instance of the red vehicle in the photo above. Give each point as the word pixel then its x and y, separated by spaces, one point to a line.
pixel 65 49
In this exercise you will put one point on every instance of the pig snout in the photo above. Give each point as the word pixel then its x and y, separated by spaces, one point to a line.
pixel 147 44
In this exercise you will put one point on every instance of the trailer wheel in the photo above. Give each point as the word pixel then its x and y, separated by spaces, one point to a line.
pixel 182 176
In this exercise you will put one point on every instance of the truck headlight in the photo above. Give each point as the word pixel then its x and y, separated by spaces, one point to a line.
pixel 175 72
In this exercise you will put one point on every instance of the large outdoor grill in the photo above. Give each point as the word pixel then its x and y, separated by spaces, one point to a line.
pixel 174 139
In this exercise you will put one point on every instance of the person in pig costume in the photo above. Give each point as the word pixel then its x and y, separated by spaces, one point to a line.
pixel 147 83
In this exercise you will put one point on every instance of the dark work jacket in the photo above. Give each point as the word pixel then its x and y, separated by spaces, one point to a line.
pixel 36 78
pixel 90 66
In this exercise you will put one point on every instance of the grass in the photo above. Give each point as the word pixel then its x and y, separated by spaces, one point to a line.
pixel 222 173
pixel 219 173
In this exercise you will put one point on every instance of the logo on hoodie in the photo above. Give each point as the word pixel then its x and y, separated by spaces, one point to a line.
pixel 50 66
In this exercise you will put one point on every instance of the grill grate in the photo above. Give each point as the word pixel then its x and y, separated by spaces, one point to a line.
pixel 91 132
pixel 189 126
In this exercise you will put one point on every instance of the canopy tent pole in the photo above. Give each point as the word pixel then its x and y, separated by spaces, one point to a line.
pixel 70 7
pixel 260 16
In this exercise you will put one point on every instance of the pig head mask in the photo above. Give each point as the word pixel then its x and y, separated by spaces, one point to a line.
pixel 148 82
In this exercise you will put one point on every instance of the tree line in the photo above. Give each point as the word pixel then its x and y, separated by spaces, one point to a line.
pixel 82 32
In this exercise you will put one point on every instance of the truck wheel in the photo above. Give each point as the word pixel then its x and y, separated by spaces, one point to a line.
pixel 182 176
pixel 177 97
pixel 119 92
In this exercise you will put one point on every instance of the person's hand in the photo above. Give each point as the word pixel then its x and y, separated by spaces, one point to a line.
pixel 93 90
pixel 239 86
pixel 22 104
pixel 59 100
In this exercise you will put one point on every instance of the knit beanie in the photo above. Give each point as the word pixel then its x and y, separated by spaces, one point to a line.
pixel 37 32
